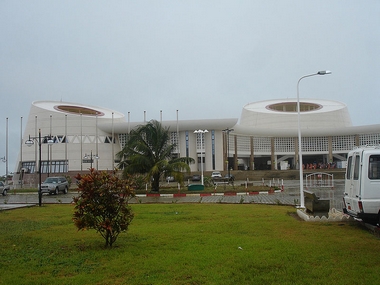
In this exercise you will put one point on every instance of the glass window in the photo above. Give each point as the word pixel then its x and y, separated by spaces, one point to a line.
pixel 356 167
pixel 348 172
pixel 58 166
pixel 187 143
pixel 369 139
pixel 374 167
pixel 213 148
pixel 29 166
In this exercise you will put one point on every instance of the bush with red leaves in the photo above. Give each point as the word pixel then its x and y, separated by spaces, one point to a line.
pixel 102 204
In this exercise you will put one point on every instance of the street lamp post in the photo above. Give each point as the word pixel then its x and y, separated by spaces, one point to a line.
pixel 29 143
pixel 201 132
pixel 6 155
pixel 227 131
pixel 91 157
pixel 300 163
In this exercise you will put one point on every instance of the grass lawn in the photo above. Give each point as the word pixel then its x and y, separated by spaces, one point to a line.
pixel 187 244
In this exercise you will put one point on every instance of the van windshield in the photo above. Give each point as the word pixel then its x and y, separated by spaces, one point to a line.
pixel 374 167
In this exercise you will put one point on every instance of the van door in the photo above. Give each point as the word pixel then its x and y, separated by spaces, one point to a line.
pixel 348 183
pixel 356 181
pixel 352 185
pixel 370 195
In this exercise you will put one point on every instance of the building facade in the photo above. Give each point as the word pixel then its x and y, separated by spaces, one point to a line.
pixel 75 137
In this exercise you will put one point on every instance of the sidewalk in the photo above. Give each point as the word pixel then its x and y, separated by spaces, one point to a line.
pixel 13 201
pixel 289 196
pixel 14 206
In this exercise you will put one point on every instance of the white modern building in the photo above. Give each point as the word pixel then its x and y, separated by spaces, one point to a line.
pixel 265 137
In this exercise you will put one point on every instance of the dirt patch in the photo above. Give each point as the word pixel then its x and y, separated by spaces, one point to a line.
pixel 295 216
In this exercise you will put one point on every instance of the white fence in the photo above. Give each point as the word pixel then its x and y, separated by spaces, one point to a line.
pixel 319 179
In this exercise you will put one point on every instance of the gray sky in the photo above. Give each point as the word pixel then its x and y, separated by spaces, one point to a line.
pixel 206 59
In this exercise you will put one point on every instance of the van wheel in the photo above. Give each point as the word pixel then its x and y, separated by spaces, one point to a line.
pixel 5 193
pixel 378 220
pixel 56 191
pixel 65 191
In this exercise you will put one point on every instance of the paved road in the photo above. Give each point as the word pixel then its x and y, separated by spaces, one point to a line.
pixel 290 196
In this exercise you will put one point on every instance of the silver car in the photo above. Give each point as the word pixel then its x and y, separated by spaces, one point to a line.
pixel 53 185
pixel 216 174
pixel 4 188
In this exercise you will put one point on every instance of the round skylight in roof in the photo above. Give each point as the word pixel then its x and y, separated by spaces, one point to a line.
pixel 78 110
pixel 290 107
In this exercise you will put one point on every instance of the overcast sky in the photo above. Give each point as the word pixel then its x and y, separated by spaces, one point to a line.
pixel 206 59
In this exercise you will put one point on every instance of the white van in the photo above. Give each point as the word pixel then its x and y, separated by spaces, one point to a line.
pixel 362 184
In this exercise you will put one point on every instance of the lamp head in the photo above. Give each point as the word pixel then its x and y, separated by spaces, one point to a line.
pixel 324 72
pixel 29 142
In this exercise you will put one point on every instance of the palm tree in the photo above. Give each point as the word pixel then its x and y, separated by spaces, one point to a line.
pixel 148 151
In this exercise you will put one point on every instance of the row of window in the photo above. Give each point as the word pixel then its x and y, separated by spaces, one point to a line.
pixel 78 139
pixel 309 144
pixel 260 144
pixel 54 166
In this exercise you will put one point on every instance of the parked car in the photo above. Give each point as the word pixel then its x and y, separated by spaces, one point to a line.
pixel 229 177
pixel 196 177
pixel 169 179
pixel 4 188
pixel 216 174
pixel 53 185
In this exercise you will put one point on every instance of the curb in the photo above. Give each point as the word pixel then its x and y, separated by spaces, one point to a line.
pixel 332 216
pixel 174 195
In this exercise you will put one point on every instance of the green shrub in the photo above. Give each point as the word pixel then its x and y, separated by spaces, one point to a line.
pixel 102 204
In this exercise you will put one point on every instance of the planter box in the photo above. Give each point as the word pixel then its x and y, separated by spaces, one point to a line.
pixel 195 187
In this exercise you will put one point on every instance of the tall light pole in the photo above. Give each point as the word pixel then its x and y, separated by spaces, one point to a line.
pixel 300 163
pixel 29 143
pixel 6 154
pixel 201 132
pixel 227 131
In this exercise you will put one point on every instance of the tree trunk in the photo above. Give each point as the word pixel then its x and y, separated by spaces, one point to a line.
pixel 156 182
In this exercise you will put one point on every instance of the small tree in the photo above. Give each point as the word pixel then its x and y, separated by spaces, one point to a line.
pixel 103 204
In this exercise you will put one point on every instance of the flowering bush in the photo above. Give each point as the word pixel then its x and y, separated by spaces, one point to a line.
pixel 103 204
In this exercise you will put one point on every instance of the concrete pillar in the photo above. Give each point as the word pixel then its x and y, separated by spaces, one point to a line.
pixel 330 150
pixel 252 156
pixel 357 140
pixel 296 153
pixel 272 155
pixel 235 154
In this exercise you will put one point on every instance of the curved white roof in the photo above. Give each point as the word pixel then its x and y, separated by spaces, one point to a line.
pixel 281 114
pixel 77 109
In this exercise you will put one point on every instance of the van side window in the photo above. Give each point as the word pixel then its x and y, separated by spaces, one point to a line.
pixel 348 172
pixel 356 167
pixel 374 167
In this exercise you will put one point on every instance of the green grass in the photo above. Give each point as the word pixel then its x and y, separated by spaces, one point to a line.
pixel 187 244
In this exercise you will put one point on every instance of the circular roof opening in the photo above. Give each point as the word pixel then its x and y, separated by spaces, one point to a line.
pixel 78 110
pixel 290 107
